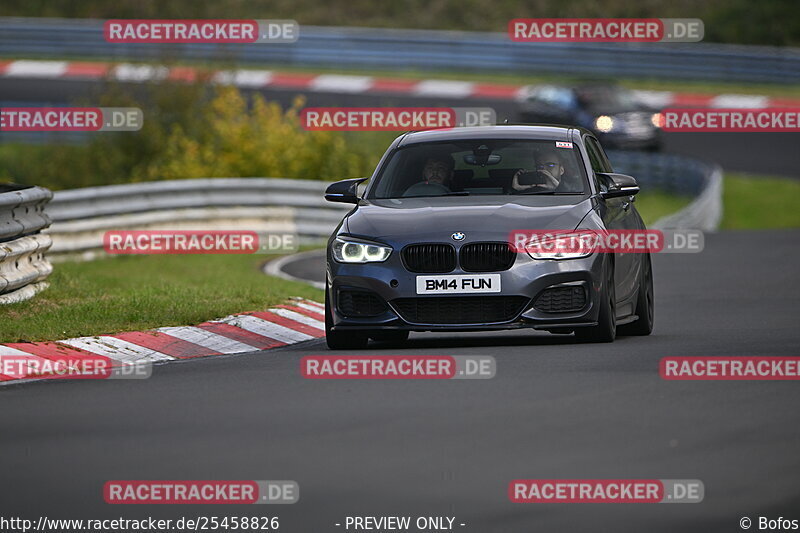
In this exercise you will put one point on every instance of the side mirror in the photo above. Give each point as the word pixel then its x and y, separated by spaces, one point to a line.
pixel 618 185
pixel 345 191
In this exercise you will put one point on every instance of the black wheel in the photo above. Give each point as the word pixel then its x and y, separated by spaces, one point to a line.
pixel 341 340
pixel 606 328
pixel 644 304
pixel 391 336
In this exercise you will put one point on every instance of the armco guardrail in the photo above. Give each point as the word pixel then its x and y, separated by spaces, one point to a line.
pixel 82 216
pixel 23 265
pixel 422 49
pixel 680 175
pixel 705 211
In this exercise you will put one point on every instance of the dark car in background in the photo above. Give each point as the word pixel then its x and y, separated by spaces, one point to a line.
pixel 427 247
pixel 613 113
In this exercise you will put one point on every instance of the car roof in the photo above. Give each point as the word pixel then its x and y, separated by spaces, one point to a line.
pixel 502 131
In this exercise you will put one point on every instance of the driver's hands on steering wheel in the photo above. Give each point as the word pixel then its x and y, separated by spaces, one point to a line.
pixel 550 181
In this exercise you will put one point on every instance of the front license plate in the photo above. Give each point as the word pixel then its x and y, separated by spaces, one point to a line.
pixel 460 284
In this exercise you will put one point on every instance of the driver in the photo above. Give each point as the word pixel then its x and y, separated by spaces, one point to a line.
pixel 439 169
pixel 437 175
pixel 548 173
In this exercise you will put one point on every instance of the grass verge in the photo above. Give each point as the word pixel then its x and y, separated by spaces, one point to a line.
pixel 134 293
pixel 654 204
pixel 749 202
pixel 760 202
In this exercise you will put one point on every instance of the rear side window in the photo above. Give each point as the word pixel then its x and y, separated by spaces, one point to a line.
pixel 597 157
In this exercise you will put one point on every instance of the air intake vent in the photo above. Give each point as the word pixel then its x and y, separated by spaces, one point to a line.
pixel 460 309
pixel 357 304
pixel 561 299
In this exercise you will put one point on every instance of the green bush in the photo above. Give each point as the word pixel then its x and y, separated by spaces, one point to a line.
pixel 261 141
pixel 191 133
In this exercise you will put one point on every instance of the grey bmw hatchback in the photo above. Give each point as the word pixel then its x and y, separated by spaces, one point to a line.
pixel 428 245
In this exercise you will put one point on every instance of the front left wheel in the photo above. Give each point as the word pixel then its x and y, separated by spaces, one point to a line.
pixel 643 325
pixel 341 340
pixel 606 328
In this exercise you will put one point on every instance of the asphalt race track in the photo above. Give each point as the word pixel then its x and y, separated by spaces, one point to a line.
pixel 760 153
pixel 449 448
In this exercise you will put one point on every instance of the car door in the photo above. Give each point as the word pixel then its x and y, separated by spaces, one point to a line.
pixel 617 214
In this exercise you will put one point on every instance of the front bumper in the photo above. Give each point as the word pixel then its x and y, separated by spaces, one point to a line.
pixel 526 278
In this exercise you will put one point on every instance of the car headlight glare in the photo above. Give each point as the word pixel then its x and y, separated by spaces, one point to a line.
pixel 559 255
pixel 657 120
pixel 563 246
pixel 359 252
pixel 604 123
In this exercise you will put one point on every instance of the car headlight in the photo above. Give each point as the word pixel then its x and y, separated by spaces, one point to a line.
pixel 604 123
pixel 558 246
pixel 657 120
pixel 347 251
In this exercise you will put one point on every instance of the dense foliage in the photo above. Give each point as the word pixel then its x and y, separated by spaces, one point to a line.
pixel 771 22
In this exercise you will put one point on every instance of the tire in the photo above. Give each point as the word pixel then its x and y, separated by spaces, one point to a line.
pixel 606 328
pixel 390 336
pixel 341 340
pixel 644 304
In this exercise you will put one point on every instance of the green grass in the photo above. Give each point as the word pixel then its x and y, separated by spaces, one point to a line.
pixel 654 204
pixel 132 293
pixel 749 202
pixel 760 202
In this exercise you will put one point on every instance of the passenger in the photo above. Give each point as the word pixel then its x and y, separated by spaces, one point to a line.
pixel 549 173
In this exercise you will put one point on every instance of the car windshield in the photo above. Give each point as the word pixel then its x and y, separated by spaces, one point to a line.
pixel 481 167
